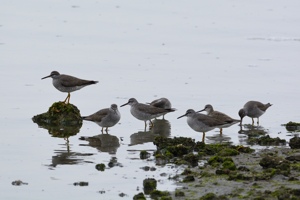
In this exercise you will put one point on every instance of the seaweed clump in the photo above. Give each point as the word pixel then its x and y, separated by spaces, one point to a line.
pixel 295 143
pixel 275 165
pixel 139 196
pixel 60 114
pixel 180 150
pixel 61 120
pixel 267 141
pixel 149 185
pixel 292 126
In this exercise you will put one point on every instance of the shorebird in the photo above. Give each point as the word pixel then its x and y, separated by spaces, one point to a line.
pixel 162 103
pixel 145 112
pixel 107 117
pixel 253 109
pixel 66 83
pixel 219 116
pixel 202 123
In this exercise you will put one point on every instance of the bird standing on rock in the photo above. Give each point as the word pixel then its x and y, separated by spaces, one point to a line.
pixel 66 83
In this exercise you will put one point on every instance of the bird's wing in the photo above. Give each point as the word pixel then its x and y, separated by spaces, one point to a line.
pixel 210 120
pixel 261 106
pixel 222 117
pixel 158 103
pixel 69 81
pixel 98 116
pixel 151 109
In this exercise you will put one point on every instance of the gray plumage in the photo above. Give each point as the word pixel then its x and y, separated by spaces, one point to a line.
pixel 107 117
pixel 145 112
pixel 219 116
pixel 253 109
pixel 66 83
pixel 202 123
pixel 162 103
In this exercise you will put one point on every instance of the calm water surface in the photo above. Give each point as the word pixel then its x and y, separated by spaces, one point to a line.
pixel 222 53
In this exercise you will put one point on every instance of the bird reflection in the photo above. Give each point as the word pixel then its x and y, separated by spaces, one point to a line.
pixel 251 131
pixel 67 157
pixel 103 142
pixel 218 138
pixel 161 127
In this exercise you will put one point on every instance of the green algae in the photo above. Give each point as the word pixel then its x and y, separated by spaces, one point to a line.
pixel 186 151
pixel 149 185
pixel 100 167
pixel 157 194
pixel 266 141
pixel 60 114
pixel 292 126
pixel 188 178
pixel 144 155
pixel 61 120
pixel 212 196
pixel 179 193
pixel 81 183
pixel 294 143
pixel 274 162
pixel 139 196
pixel 192 159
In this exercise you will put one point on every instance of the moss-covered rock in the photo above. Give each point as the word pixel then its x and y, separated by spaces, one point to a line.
pixel 192 159
pixel 274 162
pixel 189 178
pixel 61 120
pixel 59 114
pixel 273 165
pixel 139 196
pixel 179 193
pixel 81 183
pixel 267 141
pixel 100 167
pixel 292 126
pixel 295 143
pixel 212 196
pixel 144 155
pixel 157 194
pixel 228 152
pixel 149 185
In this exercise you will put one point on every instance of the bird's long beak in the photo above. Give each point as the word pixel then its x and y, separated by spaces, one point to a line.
pixel 46 77
pixel 124 104
pixel 201 110
pixel 181 116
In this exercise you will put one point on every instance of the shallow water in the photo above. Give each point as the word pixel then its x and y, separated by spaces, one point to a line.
pixel 222 53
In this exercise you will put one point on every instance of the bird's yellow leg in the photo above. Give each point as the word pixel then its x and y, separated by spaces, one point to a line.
pixel 68 98
pixel 203 137
pixel 69 95
pixel 221 131
pixel 151 123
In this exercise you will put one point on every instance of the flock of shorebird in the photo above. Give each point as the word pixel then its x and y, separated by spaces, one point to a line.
pixel 108 117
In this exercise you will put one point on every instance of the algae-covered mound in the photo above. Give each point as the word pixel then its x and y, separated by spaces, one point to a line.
pixel 292 126
pixel 59 114
pixel 181 150
pixel 61 120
